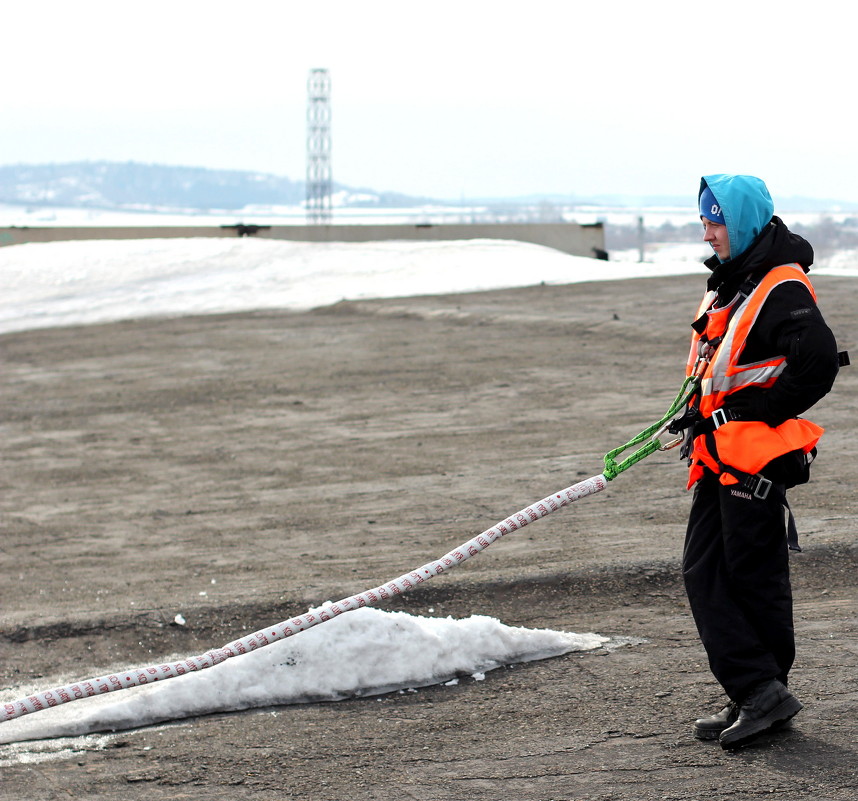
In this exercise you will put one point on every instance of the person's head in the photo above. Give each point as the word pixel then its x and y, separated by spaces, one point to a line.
pixel 733 209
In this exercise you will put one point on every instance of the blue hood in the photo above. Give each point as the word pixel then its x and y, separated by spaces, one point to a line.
pixel 746 205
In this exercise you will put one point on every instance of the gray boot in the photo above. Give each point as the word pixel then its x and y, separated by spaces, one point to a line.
pixel 710 728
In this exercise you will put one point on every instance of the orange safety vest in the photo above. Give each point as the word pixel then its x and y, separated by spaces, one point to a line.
pixel 744 445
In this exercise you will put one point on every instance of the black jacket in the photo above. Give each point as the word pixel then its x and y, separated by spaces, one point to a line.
pixel 790 324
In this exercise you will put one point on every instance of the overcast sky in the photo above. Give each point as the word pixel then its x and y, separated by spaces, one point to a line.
pixel 446 98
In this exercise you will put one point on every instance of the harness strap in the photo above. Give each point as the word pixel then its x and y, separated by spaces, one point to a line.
pixel 702 425
pixel 759 487
pixel 792 531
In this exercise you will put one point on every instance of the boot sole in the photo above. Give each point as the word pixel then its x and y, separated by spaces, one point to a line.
pixel 786 709
pixel 707 734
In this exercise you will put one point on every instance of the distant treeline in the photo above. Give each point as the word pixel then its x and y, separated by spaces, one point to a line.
pixel 826 235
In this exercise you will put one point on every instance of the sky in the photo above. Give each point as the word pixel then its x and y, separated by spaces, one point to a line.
pixel 452 99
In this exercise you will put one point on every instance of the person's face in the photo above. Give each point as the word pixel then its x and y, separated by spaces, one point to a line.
pixel 716 235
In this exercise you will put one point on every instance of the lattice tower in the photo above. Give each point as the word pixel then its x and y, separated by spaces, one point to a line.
pixel 319 180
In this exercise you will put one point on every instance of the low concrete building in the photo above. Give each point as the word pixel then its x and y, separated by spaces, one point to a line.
pixel 572 238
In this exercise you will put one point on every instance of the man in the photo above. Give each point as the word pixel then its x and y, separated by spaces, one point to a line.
pixel 764 356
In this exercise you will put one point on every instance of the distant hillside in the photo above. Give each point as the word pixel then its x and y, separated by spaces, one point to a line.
pixel 133 186
pixel 130 186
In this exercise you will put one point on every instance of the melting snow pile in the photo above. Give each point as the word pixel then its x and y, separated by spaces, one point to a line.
pixel 364 652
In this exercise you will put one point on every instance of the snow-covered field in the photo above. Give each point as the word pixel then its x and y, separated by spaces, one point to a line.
pixel 66 283
pixel 69 283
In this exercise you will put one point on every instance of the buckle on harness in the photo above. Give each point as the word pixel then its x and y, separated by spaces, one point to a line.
pixel 719 417
pixel 761 490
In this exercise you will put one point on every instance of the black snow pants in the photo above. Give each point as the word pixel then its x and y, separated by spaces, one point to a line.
pixel 736 570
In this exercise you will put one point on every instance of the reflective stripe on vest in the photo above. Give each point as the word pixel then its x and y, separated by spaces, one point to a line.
pixel 724 374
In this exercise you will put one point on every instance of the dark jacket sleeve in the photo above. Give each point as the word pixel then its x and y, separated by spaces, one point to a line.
pixel 791 324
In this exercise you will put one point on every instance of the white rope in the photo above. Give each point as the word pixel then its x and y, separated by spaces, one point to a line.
pixel 263 637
